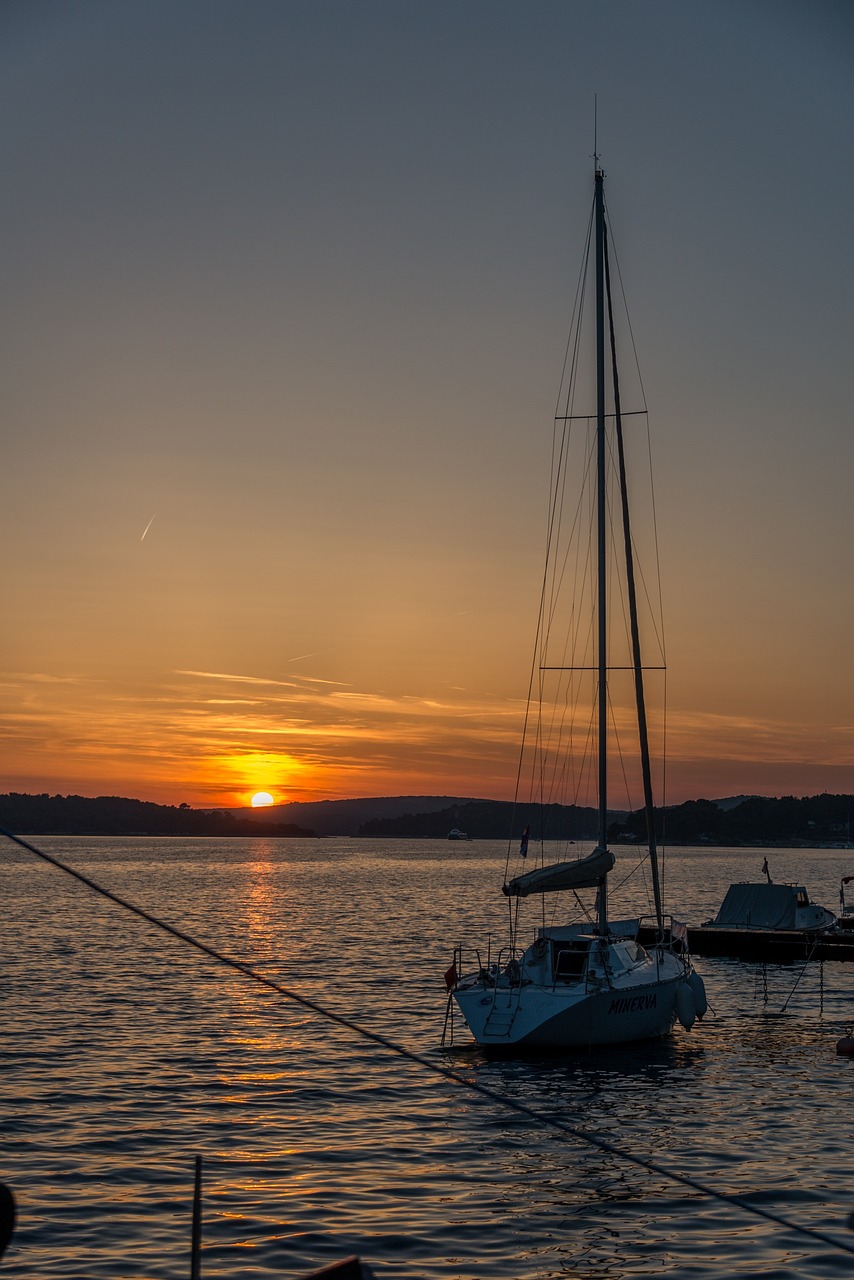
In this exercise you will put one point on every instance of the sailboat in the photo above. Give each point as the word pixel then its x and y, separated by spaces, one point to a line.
pixel 584 983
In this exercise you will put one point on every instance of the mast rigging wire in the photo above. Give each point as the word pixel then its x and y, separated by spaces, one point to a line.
pixel 573 1131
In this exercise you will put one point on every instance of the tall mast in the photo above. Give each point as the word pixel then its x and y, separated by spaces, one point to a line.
pixel 637 663
pixel 599 212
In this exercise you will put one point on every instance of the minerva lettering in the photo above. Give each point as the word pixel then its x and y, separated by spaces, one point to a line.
pixel 631 1004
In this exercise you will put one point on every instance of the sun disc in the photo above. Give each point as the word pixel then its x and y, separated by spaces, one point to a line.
pixel 261 799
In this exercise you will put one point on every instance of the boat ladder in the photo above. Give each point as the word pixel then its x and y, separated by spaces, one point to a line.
pixel 500 1019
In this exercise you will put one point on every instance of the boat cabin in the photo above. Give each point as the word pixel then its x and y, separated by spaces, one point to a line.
pixel 770 906
pixel 568 955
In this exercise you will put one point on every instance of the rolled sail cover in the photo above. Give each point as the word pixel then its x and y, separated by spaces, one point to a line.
pixel 583 873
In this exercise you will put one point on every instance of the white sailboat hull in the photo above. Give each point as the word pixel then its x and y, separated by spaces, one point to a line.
pixel 641 1006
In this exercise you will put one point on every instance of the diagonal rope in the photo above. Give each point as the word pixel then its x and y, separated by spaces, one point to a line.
pixel 580 1135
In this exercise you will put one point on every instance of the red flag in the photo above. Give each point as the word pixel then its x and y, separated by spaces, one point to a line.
pixel 523 847
pixel 451 976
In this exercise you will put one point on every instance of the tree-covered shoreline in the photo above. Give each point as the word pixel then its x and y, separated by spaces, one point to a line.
pixel 782 822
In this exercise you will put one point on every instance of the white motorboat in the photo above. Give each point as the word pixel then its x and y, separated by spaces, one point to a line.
pixel 765 905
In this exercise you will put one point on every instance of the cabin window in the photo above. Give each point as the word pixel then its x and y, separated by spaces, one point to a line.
pixel 569 961
pixel 803 898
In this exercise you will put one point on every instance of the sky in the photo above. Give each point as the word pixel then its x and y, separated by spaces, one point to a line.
pixel 285 293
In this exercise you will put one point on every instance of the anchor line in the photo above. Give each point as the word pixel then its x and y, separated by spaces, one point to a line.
pixel 800 975
pixel 473 1086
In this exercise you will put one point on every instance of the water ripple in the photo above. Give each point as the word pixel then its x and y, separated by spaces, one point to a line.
pixel 124 1055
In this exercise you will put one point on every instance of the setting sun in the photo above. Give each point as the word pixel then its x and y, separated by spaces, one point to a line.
pixel 262 798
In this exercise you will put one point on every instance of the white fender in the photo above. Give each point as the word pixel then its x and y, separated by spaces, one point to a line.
pixel 685 1008
pixel 701 1004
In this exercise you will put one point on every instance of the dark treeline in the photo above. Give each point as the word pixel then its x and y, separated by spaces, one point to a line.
pixel 115 816
pixel 490 820
pixel 756 820
pixel 750 820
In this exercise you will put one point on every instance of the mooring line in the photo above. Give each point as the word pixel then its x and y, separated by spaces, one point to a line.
pixel 580 1135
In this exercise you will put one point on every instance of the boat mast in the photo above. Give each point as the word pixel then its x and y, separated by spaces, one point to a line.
pixel 599 212
pixel 637 663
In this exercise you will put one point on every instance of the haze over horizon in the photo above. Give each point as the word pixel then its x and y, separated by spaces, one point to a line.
pixel 287 288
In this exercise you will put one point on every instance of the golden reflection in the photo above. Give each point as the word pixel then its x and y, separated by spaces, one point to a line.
pixel 263 916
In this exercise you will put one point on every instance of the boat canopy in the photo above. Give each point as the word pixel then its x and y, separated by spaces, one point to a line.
pixel 583 873
pixel 761 906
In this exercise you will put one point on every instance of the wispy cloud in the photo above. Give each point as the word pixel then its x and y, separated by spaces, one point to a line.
pixel 309 737
pixel 206 736
pixel 231 677
pixel 237 679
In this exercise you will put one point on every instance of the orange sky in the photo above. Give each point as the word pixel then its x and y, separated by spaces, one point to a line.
pixel 280 367
pixel 209 738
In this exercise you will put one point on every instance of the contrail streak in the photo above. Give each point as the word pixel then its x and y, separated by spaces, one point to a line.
pixel 148 526
pixel 301 656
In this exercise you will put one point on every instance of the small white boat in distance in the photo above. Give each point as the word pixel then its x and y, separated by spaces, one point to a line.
pixel 456 834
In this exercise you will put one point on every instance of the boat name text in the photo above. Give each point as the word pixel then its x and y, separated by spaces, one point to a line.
pixel 631 1004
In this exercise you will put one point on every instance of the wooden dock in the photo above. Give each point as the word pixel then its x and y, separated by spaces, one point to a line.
pixel 766 946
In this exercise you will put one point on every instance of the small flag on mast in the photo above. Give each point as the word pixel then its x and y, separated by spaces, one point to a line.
pixel 523 847
pixel 451 977
pixel 765 870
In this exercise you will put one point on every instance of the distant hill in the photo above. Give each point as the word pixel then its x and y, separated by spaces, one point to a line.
pixel 346 817
pixel 491 820
pixel 740 820
pixel 732 802
pixel 117 816
pixel 786 822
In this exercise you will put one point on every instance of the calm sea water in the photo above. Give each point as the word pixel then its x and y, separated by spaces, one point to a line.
pixel 124 1053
